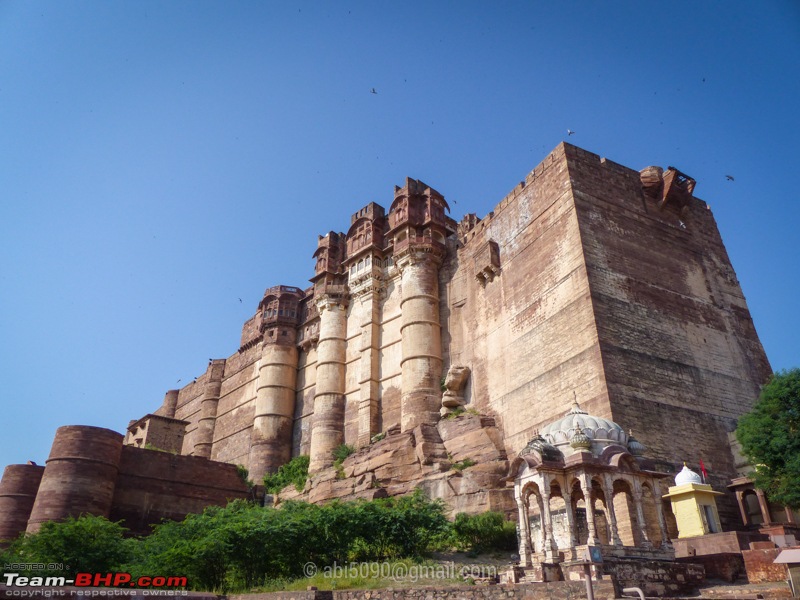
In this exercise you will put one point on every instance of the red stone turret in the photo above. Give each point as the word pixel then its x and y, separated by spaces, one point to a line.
pixel 80 475
pixel 17 493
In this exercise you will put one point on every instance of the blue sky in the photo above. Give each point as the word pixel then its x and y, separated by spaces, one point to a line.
pixel 161 160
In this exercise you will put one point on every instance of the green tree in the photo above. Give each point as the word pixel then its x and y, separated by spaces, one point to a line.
pixel 770 438
pixel 83 544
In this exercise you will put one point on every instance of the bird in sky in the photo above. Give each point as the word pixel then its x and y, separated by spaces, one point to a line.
pixel 178 381
pixel 729 177
pixel 570 132
pixel 240 300
pixel 373 91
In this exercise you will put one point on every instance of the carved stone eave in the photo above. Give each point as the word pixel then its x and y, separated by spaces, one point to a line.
pixel 369 282
pixel 310 342
pixel 338 301
pixel 419 253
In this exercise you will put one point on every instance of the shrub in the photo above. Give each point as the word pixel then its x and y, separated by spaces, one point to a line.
pixel 294 472
pixel 485 531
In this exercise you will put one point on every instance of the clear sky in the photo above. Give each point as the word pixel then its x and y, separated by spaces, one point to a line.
pixel 160 160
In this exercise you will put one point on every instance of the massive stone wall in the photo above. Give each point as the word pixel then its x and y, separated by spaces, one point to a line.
pixel 680 354
pixel 582 285
pixel 578 286
pixel 528 335
pixel 90 471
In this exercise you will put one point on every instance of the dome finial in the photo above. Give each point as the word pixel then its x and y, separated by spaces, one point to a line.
pixel 576 408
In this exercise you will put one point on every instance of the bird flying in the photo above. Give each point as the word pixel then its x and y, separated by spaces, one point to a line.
pixel 729 177
pixel 570 132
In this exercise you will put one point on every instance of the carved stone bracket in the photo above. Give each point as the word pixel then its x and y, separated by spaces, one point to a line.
pixel 330 302
pixel 454 383
pixel 487 262
pixel 415 255
pixel 370 283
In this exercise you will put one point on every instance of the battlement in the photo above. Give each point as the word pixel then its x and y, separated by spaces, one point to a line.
pixel 371 211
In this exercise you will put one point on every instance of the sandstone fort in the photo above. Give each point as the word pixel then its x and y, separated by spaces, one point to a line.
pixel 448 351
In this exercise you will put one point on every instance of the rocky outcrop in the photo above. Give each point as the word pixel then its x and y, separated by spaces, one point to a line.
pixel 460 460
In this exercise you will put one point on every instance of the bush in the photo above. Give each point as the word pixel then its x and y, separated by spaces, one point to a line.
pixel 486 531
pixel 294 472
pixel 341 452
pixel 463 464
pixel 83 544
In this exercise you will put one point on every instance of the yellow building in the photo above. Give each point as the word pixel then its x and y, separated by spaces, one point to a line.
pixel 694 505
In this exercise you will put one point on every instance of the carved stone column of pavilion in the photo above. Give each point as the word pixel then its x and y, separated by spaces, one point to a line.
pixel 586 488
pixel 764 505
pixel 608 488
pixel 637 501
pixel 662 524
pixel 327 430
pixel 369 364
pixel 421 335
pixel 204 437
pixel 525 549
pixel 573 538
pixel 550 546
pixel 271 443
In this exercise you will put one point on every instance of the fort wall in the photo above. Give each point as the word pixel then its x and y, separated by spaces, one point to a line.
pixel 589 282
pixel 18 490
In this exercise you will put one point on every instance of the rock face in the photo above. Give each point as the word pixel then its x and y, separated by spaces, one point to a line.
pixel 432 458
pixel 589 282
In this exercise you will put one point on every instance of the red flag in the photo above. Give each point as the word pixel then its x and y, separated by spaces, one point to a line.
pixel 703 470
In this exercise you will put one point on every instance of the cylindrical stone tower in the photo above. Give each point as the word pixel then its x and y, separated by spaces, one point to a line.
pixel 18 490
pixel 170 404
pixel 421 336
pixel 327 430
pixel 271 441
pixel 419 228
pixel 80 475
pixel 271 444
pixel 204 438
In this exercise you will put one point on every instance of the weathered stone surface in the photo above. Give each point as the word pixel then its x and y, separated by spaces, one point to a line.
pixel 579 285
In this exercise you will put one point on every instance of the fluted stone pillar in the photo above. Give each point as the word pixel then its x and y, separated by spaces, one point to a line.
pixel 204 436
pixel 327 431
pixel 271 442
pixel 421 335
